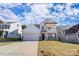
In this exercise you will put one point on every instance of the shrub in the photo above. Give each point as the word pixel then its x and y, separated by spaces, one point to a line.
pixel 9 39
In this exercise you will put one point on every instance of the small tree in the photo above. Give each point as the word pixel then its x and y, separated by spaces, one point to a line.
pixel 1 33
pixel 23 26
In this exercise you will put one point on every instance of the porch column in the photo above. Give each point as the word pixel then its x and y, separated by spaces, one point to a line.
pixel 46 37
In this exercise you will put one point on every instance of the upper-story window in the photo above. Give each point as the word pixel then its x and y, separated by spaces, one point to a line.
pixel 8 26
pixel 42 27
pixel 4 26
pixel 49 28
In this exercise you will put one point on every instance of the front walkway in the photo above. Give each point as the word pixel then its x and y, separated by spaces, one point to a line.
pixel 25 48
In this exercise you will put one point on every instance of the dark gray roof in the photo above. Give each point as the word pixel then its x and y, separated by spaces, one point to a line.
pixel 10 22
pixel 73 29
pixel 49 20
pixel 7 22
pixel 64 27
pixel 37 25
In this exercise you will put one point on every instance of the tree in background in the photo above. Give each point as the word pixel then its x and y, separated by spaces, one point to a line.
pixel 23 26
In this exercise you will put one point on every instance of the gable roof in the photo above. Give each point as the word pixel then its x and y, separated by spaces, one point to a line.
pixel 31 25
pixel 76 27
pixel 64 27
pixel 7 22
pixel 73 29
pixel 37 25
pixel 48 20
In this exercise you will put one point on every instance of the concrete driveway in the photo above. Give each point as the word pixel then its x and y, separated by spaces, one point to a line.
pixel 25 48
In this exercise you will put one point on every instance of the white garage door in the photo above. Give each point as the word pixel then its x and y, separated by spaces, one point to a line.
pixel 31 33
pixel 30 36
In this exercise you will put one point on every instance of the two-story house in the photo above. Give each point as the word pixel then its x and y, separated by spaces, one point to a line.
pixel 48 29
pixel 68 33
pixel 10 30
pixel 43 31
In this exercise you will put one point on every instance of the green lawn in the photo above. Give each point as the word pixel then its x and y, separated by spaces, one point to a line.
pixel 8 39
pixel 5 43
pixel 56 48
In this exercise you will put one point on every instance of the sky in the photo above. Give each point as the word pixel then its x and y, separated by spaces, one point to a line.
pixel 27 13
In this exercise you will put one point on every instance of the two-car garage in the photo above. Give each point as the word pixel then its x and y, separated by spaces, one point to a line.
pixel 31 33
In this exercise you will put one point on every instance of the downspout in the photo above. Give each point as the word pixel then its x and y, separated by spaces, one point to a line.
pixel 56 34
pixel 77 35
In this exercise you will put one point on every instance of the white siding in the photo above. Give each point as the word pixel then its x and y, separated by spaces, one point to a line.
pixel 61 34
pixel 72 38
pixel 15 30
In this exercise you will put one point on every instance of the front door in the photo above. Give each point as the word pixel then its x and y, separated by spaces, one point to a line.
pixel 43 36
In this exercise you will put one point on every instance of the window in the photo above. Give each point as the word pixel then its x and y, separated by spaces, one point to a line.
pixel 49 28
pixel 78 35
pixel 49 36
pixel 4 26
pixel 8 26
pixel 43 27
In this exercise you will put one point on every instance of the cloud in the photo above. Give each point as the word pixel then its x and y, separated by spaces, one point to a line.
pixel 9 5
pixel 6 14
pixel 39 11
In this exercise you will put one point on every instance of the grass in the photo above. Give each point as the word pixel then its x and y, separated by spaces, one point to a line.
pixel 5 43
pixel 56 48
pixel 8 39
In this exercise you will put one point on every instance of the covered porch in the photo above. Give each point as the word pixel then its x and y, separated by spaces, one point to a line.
pixel 3 33
pixel 48 36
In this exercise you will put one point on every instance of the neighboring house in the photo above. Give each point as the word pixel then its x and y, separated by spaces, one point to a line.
pixel 72 34
pixel 68 33
pixel 31 33
pixel 43 31
pixel 10 30
pixel 61 32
